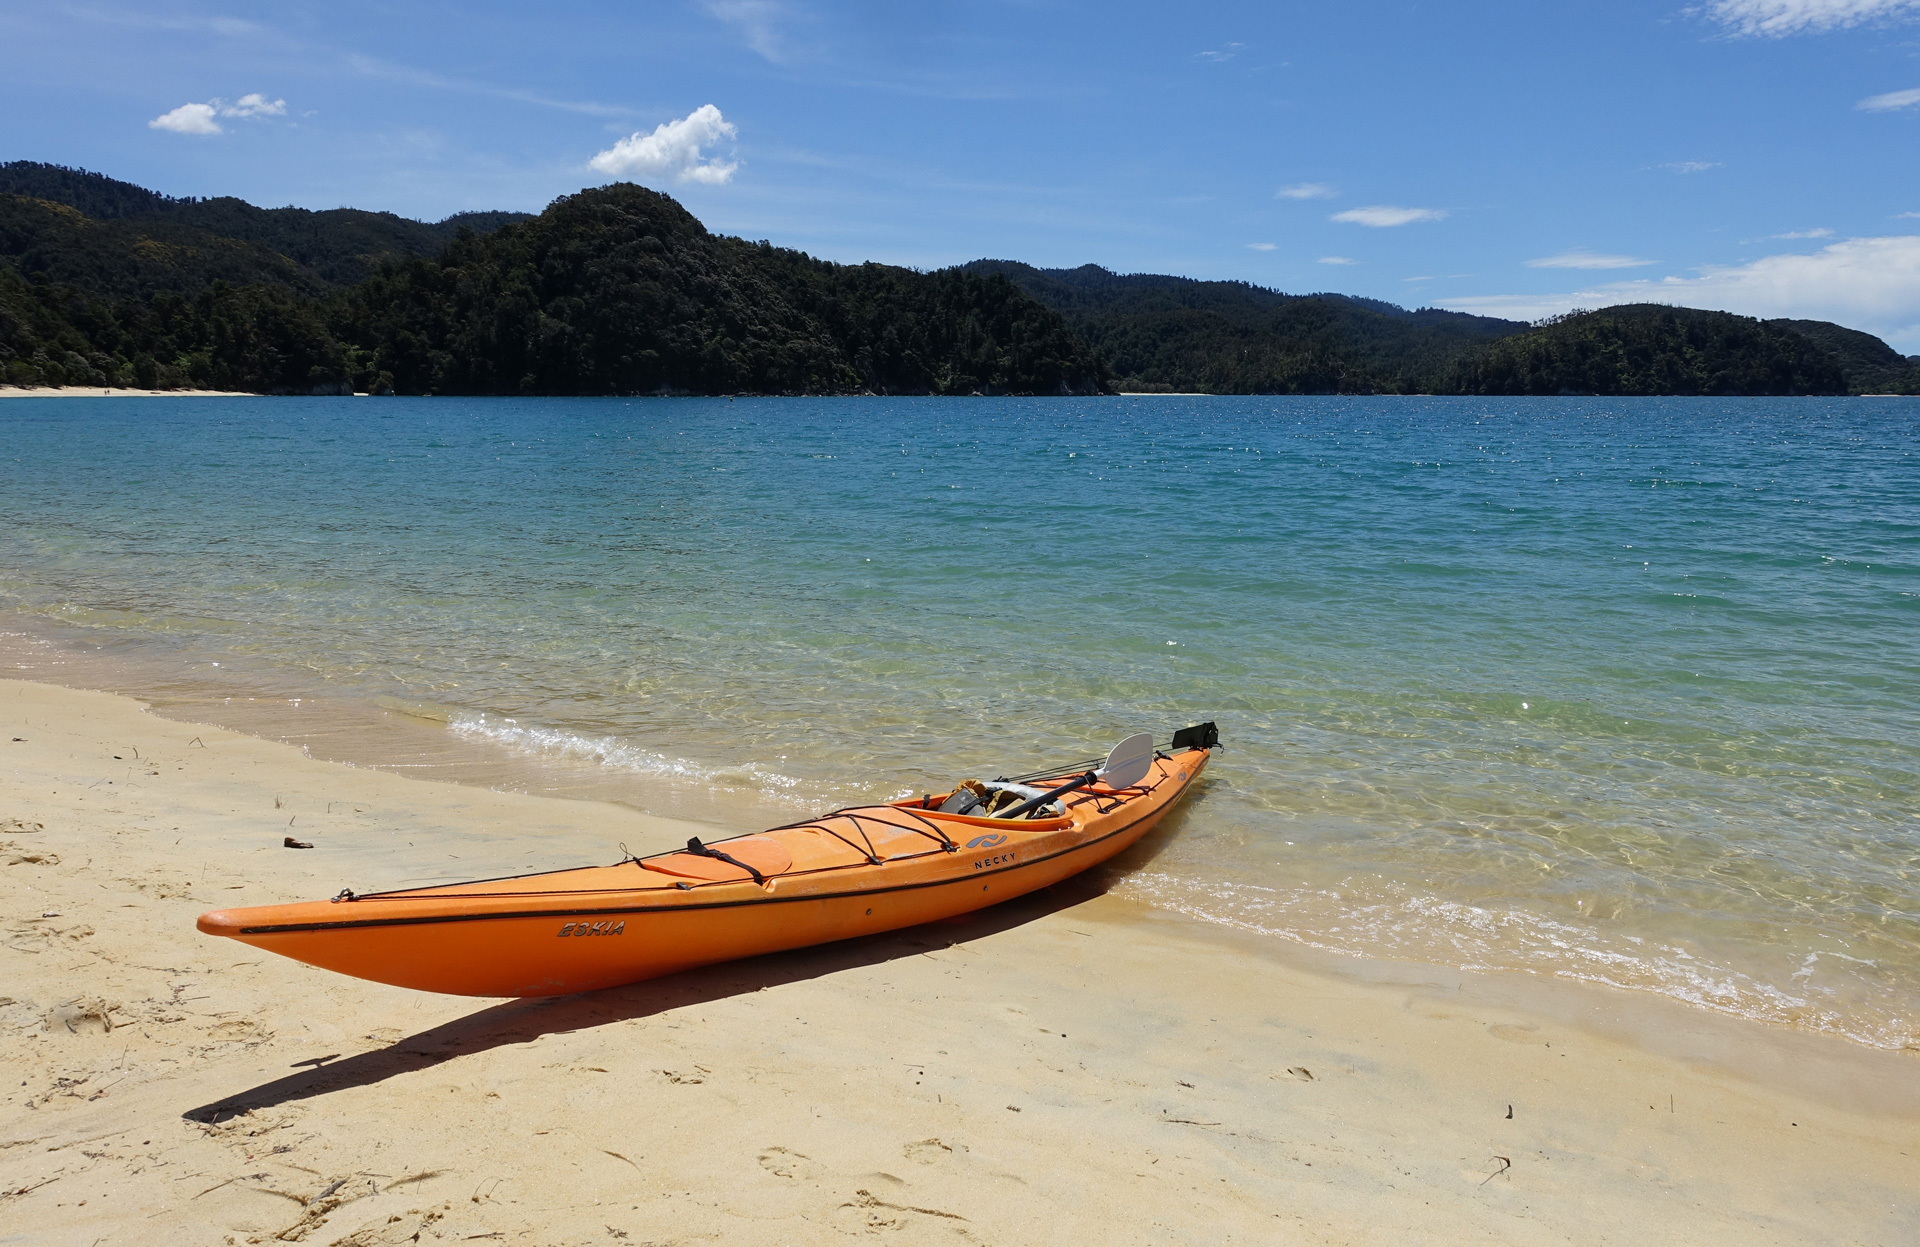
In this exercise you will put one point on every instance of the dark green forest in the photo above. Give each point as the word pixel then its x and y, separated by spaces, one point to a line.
pixel 1649 349
pixel 338 247
pixel 619 290
pixel 615 290
pixel 1226 337
pixel 1160 334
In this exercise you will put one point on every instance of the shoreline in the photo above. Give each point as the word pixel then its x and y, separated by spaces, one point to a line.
pixel 100 391
pixel 1066 1066
pixel 355 727
pixel 419 740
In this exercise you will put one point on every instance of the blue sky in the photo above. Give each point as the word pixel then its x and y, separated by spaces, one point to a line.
pixel 1512 157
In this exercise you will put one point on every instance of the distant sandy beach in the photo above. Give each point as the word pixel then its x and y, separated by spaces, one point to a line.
pixel 1069 1068
pixel 99 391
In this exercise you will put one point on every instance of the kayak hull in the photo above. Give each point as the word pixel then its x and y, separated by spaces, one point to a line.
pixel 598 927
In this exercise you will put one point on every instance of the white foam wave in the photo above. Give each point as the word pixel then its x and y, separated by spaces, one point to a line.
pixel 1412 927
pixel 556 745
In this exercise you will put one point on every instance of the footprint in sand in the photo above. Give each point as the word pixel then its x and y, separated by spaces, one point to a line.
pixel 782 1163
pixel 927 1151
pixel 161 885
pixel 239 1030
pixel 83 1015
pixel 867 1213
pixel 395 1229
pixel 1295 1073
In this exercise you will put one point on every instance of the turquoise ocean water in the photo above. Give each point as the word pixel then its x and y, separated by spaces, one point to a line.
pixel 1621 690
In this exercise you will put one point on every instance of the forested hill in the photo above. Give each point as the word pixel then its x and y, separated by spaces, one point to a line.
pixel 1870 365
pixel 615 290
pixel 1160 333
pixel 1647 349
pixel 619 290
pixel 337 246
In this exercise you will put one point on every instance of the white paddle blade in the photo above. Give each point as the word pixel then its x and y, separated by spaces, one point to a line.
pixel 1129 762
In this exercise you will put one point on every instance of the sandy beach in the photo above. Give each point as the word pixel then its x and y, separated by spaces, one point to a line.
pixel 101 391
pixel 1068 1068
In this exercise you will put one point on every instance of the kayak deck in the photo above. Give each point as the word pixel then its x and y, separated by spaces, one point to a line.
pixel 852 872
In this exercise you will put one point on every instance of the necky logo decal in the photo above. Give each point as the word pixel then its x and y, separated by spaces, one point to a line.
pixel 989 841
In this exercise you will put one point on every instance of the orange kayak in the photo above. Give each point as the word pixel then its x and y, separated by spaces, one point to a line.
pixel 853 872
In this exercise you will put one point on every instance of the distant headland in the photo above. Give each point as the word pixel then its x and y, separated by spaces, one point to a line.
pixel 618 290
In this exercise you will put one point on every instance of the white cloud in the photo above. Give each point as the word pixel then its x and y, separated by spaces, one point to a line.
pixel 1587 259
pixel 1890 101
pixel 1691 166
pixel 1777 18
pixel 1337 259
pixel 1802 233
pixel 255 105
pixel 755 19
pixel 673 147
pixel 1384 216
pixel 1225 52
pixel 1260 246
pixel 1865 283
pixel 199 118
pixel 188 119
pixel 1306 190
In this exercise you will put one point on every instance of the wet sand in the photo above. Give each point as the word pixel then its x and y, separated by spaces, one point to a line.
pixel 1067 1068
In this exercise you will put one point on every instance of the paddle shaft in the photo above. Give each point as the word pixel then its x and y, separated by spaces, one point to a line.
pixel 1034 803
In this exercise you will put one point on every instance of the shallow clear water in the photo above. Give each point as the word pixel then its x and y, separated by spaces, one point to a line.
pixel 1619 689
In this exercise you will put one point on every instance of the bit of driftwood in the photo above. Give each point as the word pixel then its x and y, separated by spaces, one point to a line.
pixel 291 843
pixel 28 1189
pixel 244 1177
pixel 864 1198
pixel 1509 1112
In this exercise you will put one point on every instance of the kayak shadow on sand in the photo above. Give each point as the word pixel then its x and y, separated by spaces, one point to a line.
pixel 522 1021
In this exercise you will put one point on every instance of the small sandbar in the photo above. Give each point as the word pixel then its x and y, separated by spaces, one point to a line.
pixel 100 391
